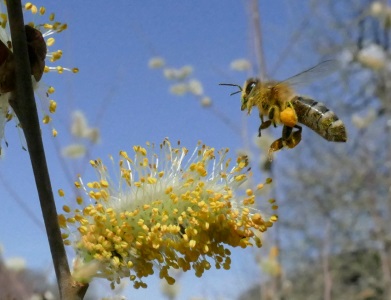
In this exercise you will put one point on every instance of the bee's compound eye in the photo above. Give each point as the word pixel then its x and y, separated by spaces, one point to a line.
pixel 251 83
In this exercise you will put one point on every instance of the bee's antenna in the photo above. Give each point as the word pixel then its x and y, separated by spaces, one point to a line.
pixel 231 84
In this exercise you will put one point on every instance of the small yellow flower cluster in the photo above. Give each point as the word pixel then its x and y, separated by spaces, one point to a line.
pixel 38 32
pixel 164 212
pixel 48 29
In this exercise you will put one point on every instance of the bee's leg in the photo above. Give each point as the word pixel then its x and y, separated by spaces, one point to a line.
pixel 286 132
pixel 274 147
pixel 272 112
pixel 289 139
pixel 294 137
pixel 299 128
pixel 263 125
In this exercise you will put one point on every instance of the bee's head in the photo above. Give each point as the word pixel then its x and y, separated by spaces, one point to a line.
pixel 246 91
pixel 248 88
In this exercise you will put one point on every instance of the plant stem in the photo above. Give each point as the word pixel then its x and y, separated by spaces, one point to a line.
pixel 23 103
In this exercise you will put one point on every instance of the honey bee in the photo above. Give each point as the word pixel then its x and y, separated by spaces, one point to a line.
pixel 278 101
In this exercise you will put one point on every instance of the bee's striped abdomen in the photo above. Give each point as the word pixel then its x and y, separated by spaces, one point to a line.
pixel 319 118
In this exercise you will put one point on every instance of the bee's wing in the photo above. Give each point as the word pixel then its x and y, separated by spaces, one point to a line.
pixel 316 72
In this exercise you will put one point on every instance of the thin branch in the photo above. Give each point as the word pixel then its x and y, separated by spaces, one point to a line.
pixel 257 36
pixel 23 103
pixel 327 278
pixel 23 206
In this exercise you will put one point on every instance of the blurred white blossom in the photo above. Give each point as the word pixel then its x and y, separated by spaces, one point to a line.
pixel 156 63
pixel 74 151
pixel 183 82
pixel 15 263
pixel 364 121
pixel 240 64
pixel 380 10
pixel 170 291
pixel 185 71
pixel 178 89
pixel 206 101
pixel 80 128
pixel 195 87
pixel 177 74
pixel 170 73
pixel 372 57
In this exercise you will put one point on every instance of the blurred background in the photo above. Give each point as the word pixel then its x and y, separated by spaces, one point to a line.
pixel 150 70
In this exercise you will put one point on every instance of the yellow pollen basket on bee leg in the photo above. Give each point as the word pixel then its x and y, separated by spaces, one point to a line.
pixel 288 117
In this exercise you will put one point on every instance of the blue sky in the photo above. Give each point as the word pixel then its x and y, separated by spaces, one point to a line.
pixel 111 43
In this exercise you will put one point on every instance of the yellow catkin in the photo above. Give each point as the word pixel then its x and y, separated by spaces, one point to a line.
pixel 178 215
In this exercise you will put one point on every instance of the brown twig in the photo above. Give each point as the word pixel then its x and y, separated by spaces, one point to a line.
pixel 23 103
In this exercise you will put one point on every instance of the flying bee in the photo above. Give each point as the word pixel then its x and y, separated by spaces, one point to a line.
pixel 278 101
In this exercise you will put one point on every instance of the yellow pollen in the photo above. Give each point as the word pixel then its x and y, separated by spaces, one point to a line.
pixel 34 10
pixel 28 5
pixel 93 163
pixel 240 177
pixel 151 180
pixel 52 106
pixel 50 90
pixel 104 183
pixel 82 229
pixel 54 132
pixel 50 42
pixel 61 193
pixel 124 154
pixel 141 150
pixel 79 200
pixel 62 221
pixel 56 55
pixel 4 19
pixel 46 119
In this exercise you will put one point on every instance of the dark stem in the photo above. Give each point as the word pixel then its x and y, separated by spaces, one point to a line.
pixel 23 103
